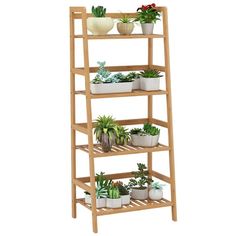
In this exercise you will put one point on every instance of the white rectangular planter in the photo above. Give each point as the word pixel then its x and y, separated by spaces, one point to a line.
pixel 100 202
pixel 150 84
pixel 144 141
pixel 111 88
pixel 136 84
pixel 113 203
pixel 125 199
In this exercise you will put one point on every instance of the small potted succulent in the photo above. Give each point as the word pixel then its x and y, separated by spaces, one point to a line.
pixel 125 25
pixel 138 184
pixel 150 80
pixel 136 79
pixel 105 132
pixel 123 135
pixel 113 198
pixel 105 82
pixel 148 136
pixel 148 16
pixel 99 24
pixel 156 193
pixel 124 193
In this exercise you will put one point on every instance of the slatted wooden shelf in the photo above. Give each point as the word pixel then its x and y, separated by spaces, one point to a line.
pixel 119 36
pixel 134 93
pixel 135 205
pixel 122 150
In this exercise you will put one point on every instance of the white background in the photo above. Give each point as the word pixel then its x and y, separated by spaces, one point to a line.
pixel 35 128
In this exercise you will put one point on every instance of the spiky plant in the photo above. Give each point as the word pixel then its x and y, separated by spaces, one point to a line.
pixel 123 135
pixel 113 192
pixel 151 73
pixel 99 11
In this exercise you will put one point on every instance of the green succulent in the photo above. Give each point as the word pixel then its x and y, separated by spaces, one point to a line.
pixel 123 135
pixel 101 192
pixel 102 181
pixel 99 11
pixel 113 192
pixel 150 129
pixel 135 131
pixel 157 185
pixel 133 75
pixel 125 19
pixel 151 74
pixel 123 189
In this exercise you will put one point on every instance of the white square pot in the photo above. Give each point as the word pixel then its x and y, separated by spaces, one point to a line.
pixel 100 202
pixel 111 88
pixel 125 199
pixel 136 84
pixel 139 194
pixel 113 203
pixel 144 141
pixel 150 84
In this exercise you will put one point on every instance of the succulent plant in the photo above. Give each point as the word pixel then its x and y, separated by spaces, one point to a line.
pixel 102 181
pixel 148 129
pixel 123 189
pixel 113 192
pixel 102 74
pixel 123 135
pixel 157 185
pixel 151 74
pixel 99 11
pixel 101 192
pixel 125 19
pixel 135 131
pixel 133 75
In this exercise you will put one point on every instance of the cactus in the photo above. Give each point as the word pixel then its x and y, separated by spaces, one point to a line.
pixel 113 192
pixel 99 11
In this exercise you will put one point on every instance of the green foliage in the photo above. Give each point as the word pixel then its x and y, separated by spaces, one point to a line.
pixel 150 129
pixel 99 11
pixel 123 189
pixel 133 75
pixel 157 185
pixel 151 74
pixel 148 14
pixel 135 131
pixel 125 20
pixel 105 125
pixel 140 177
pixel 123 135
pixel 102 181
pixel 113 192
pixel 101 192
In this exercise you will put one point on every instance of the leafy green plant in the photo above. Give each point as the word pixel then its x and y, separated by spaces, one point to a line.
pixel 125 19
pixel 113 192
pixel 101 192
pixel 135 131
pixel 99 11
pixel 102 74
pixel 102 181
pixel 151 74
pixel 133 75
pixel 150 129
pixel 140 177
pixel 123 189
pixel 157 185
pixel 148 14
pixel 123 135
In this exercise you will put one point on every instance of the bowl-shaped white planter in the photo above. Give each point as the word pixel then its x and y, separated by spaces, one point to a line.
pixel 147 28
pixel 125 199
pixel 150 84
pixel 100 202
pixel 113 203
pixel 144 141
pixel 100 25
pixel 125 28
pixel 155 194
pixel 136 84
pixel 111 88
pixel 139 194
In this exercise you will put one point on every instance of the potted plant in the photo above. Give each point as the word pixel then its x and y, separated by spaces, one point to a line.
pixel 113 198
pixel 125 25
pixel 104 82
pixel 99 24
pixel 123 135
pixel 150 80
pixel 156 193
pixel 136 79
pixel 147 16
pixel 138 183
pixel 124 193
pixel 148 136
pixel 105 132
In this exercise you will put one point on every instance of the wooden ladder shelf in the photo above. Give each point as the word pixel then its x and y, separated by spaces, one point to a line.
pixel 94 150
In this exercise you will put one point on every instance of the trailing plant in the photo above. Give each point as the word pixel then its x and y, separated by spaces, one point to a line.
pixel 133 75
pixel 151 73
pixel 123 189
pixel 148 129
pixel 113 192
pixel 148 14
pixel 99 11
pixel 157 185
pixel 125 19
pixel 123 135
pixel 140 177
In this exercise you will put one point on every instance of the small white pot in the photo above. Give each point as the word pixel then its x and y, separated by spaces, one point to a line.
pixel 144 141
pixel 113 203
pixel 139 194
pixel 150 84
pixel 125 28
pixel 100 202
pixel 155 194
pixel 136 84
pixel 100 25
pixel 125 199
pixel 147 28
pixel 111 88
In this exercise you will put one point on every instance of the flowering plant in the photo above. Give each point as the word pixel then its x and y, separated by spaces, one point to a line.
pixel 148 14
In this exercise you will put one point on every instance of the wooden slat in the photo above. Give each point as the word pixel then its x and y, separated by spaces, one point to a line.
pixel 159 122
pixel 82 185
pixel 79 71
pixel 161 176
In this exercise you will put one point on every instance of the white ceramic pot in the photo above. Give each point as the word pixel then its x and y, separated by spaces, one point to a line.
pixel 125 28
pixel 144 141
pixel 155 194
pixel 125 199
pixel 147 28
pixel 150 84
pixel 100 25
pixel 111 88
pixel 113 203
pixel 100 202
pixel 139 194
pixel 136 84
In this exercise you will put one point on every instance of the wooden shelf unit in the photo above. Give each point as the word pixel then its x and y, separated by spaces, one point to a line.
pixel 94 150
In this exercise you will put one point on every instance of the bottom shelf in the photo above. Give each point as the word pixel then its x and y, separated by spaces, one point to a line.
pixel 135 205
